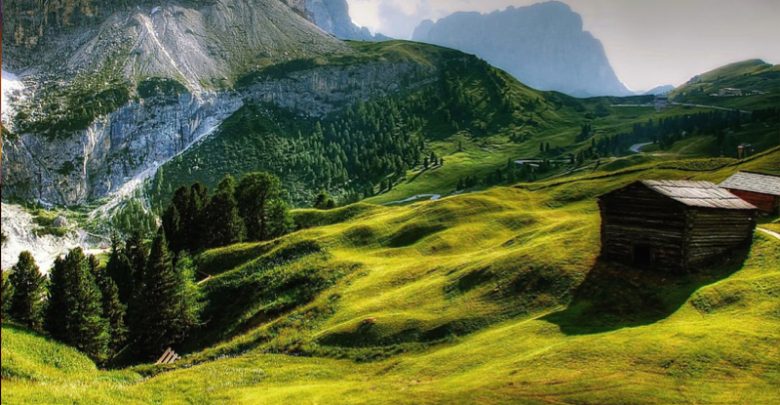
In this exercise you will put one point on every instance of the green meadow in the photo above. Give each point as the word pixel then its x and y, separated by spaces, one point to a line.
pixel 490 296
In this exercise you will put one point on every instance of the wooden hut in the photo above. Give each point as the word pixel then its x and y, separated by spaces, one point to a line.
pixel 761 190
pixel 673 225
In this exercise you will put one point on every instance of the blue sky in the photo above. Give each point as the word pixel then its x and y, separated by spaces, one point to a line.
pixel 648 42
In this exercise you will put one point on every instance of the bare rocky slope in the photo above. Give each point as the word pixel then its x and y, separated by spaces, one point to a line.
pixel 113 89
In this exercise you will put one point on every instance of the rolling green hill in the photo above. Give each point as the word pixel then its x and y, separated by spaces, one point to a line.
pixel 487 297
pixel 758 80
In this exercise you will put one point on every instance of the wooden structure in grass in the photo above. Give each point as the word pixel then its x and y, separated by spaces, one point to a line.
pixel 673 225
pixel 168 357
pixel 761 190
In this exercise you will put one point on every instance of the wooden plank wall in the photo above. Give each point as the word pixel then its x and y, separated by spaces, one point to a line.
pixel 713 232
pixel 765 202
pixel 640 216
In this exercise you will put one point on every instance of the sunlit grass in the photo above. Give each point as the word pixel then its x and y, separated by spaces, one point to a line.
pixel 474 298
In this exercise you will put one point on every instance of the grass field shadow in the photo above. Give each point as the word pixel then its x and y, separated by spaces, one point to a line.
pixel 615 296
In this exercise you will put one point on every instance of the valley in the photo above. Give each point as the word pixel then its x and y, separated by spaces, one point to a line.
pixel 308 212
pixel 486 296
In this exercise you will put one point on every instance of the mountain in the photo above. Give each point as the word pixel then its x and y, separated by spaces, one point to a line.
pixel 750 84
pixel 112 91
pixel 660 90
pixel 542 45
pixel 115 88
pixel 333 17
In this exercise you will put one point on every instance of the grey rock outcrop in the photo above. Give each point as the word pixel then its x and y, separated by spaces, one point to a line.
pixel 69 144
pixel 543 46
pixel 334 18
pixel 115 148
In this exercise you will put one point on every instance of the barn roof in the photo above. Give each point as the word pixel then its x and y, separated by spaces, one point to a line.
pixel 754 182
pixel 698 194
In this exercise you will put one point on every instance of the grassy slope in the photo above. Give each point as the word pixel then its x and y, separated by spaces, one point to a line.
pixel 493 296
pixel 248 143
pixel 482 156
pixel 747 75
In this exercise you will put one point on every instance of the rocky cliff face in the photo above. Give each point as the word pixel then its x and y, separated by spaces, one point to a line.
pixel 115 89
pixel 333 17
pixel 115 148
pixel 90 120
pixel 543 46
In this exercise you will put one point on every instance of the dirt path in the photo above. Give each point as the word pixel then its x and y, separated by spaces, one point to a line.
pixel 638 147
pixel 431 197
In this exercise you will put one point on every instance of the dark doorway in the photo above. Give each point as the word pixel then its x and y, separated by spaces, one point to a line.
pixel 643 255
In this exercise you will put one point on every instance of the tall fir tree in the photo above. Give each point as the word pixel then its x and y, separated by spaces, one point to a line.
pixel 171 222
pixel 162 301
pixel 5 297
pixel 75 310
pixel 223 222
pixel 113 309
pixel 136 253
pixel 254 194
pixel 120 270
pixel 28 291
pixel 175 219
pixel 195 231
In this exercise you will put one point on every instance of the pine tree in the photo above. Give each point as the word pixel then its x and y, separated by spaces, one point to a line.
pixel 54 317
pixel 28 283
pixel 120 270
pixel 74 314
pixel 113 309
pixel 279 221
pixel 163 301
pixel 254 194
pixel 224 224
pixel 194 226
pixel 136 253
pixel 171 221
pixel 324 201
pixel 5 297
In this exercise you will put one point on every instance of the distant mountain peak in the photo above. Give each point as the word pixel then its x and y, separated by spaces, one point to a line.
pixel 334 18
pixel 543 45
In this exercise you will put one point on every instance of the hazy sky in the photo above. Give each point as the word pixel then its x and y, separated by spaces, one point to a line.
pixel 648 42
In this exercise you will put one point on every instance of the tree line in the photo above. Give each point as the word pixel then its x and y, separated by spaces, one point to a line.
pixel 250 210
pixel 665 132
pixel 131 309
pixel 144 299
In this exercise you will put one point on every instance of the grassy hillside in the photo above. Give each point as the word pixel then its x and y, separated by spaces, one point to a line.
pixel 365 141
pixel 748 76
pixel 492 297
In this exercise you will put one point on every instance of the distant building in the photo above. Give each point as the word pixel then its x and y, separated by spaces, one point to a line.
pixel 673 225
pixel 744 150
pixel 661 102
pixel 761 190
pixel 730 92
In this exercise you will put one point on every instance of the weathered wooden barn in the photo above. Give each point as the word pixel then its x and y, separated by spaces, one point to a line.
pixel 673 225
pixel 761 190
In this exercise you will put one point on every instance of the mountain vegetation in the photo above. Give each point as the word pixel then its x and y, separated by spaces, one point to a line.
pixel 342 311
pixel 754 84
pixel 361 146
pixel 306 220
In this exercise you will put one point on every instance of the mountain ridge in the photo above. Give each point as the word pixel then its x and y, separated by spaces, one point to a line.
pixel 542 45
